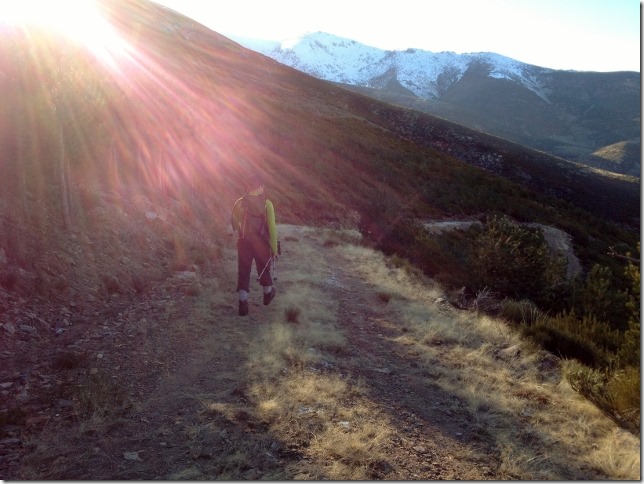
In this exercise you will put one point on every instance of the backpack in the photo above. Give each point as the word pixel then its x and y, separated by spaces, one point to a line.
pixel 254 222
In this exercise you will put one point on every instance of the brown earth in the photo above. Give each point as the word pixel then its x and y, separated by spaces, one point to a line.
pixel 167 383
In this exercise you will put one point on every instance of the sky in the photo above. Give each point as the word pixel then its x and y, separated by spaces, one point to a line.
pixel 586 35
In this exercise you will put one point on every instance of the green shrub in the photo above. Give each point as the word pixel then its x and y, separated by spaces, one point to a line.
pixel 617 393
pixel 566 345
pixel 515 261
pixel 523 312
pixel 630 352
pixel 623 391
pixel 598 296
pixel 590 328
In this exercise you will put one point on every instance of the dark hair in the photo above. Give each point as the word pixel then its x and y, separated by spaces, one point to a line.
pixel 254 181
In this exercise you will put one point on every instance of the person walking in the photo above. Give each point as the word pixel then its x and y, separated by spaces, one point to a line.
pixel 253 218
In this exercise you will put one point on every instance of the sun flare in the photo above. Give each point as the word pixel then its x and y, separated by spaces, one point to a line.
pixel 79 20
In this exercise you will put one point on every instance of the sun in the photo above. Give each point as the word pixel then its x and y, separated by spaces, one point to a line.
pixel 79 20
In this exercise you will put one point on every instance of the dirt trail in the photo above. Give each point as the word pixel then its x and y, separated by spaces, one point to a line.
pixel 186 389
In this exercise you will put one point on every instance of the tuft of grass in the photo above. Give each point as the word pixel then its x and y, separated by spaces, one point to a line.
pixel 616 393
pixel 193 289
pixel 384 296
pixel 111 284
pixel 140 283
pixel 523 312
pixel 69 360
pixel 9 279
pixel 623 390
pixel 13 416
pixel 293 314
pixel 98 397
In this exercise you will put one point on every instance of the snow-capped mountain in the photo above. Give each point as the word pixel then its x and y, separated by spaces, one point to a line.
pixel 424 74
pixel 571 114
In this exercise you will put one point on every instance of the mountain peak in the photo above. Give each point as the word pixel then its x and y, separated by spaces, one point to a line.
pixel 424 74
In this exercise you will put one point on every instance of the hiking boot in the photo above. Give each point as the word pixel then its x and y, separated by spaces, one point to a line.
pixel 269 297
pixel 243 308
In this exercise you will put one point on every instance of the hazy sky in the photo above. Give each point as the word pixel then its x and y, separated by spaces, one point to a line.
pixel 597 35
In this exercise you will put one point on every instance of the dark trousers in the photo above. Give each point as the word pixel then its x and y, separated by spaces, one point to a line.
pixel 259 250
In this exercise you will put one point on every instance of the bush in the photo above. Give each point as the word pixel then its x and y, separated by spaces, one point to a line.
pixel 597 332
pixel 598 296
pixel 623 391
pixel 566 345
pixel 515 261
pixel 617 393
pixel 630 352
pixel 523 312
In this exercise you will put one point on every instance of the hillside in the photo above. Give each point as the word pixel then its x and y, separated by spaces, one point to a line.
pixel 122 354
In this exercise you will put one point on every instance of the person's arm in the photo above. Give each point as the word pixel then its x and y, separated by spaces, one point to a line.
pixel 235 216
pixel 272 228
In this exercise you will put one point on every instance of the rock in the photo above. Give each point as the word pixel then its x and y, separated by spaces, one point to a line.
pixel 38 420
pixel 509 353
pixel 386 371
pixel 10 441
pixel 133 456
pixel 9 328
pixel 25 328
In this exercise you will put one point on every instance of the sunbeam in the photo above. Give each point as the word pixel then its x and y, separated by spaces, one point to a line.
pixel 79 20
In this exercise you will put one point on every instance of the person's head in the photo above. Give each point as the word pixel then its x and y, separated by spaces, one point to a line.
pixel 254 183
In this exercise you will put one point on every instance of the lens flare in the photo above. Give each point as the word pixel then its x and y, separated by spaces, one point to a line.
pixel 79 20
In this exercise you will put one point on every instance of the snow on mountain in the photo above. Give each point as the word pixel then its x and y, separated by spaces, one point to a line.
pixel 423 73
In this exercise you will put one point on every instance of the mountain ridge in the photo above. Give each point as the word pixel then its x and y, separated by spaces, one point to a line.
pixel 570 114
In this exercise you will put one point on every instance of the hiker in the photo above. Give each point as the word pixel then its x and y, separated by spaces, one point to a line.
pixel 253 218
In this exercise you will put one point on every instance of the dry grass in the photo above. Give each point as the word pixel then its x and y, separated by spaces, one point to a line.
pixel 514 393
